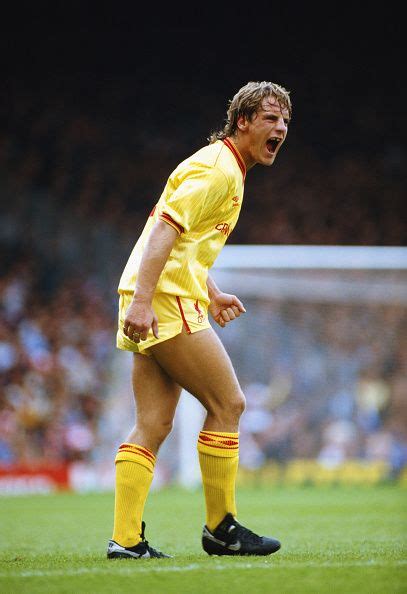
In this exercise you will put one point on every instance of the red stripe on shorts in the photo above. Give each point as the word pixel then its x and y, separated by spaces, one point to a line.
pixel 187 328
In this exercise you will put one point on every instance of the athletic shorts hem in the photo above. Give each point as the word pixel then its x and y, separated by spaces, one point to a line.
pixel 174 314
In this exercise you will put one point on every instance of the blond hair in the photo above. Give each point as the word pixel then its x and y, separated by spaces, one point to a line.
pixel 246 103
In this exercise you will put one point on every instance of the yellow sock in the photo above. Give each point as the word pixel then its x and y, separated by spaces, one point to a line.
pixel 134 473
pixel 219 459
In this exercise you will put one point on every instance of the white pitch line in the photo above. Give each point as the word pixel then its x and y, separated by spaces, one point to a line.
pixel 194 567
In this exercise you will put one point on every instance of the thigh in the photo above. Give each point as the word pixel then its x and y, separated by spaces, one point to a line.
pixel 155 392
pixel 200 364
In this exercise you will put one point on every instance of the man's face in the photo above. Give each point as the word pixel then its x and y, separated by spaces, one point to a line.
pixel 265 133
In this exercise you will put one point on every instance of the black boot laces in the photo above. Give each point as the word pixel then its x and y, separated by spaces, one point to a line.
pixel 245 534
pixel 148 547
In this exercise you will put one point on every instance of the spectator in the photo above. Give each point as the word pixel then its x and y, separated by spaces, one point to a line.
pixel 330 382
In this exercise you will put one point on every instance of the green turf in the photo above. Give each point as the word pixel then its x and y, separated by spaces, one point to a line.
pixel 335 539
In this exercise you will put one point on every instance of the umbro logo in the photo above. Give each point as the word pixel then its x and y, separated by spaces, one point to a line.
pixel 235 200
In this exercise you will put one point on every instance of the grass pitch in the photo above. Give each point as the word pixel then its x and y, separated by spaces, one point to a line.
pixel 335 539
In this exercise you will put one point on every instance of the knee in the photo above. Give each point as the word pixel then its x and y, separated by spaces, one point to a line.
pixel 162 429
pixel 165 428
pixel 156 429
pixel 239 405
pixel 230 410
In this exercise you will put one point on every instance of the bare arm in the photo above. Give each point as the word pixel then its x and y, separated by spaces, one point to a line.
pixel 223 307
pixel 140 316
pixel 213 289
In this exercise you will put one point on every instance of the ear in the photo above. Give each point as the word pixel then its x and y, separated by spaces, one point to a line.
pixel 242 123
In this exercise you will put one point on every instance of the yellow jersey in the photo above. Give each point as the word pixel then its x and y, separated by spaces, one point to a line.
pixel 202 201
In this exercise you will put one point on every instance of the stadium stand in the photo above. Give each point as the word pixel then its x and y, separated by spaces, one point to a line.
pixel 75 187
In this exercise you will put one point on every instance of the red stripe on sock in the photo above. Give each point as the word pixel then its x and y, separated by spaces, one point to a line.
pixel 146 452
pixel 211 445
pixel 137 449
pixel 227 436
pixel 229 442
pixel 136 453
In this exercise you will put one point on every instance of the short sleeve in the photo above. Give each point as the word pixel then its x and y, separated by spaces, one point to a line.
pixel 197 191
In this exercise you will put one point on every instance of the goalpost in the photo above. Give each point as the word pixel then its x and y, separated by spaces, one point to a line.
pixel 321 323
pixel 291 294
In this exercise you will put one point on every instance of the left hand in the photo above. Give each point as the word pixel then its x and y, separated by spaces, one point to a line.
pixel 224 308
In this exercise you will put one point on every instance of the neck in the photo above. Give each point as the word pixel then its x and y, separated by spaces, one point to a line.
pixel 243 150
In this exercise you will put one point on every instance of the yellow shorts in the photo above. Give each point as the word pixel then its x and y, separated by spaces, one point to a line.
pixel 174 314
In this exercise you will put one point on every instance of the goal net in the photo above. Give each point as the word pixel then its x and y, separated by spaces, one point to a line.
pixel 321 357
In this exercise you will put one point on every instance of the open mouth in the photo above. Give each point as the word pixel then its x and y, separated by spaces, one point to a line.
pixel 272 144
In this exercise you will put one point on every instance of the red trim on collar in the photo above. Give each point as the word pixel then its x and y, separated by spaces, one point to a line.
pixel 237 156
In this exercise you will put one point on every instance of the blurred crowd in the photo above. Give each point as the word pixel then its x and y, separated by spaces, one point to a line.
pixel 54 356
pixel 76 184
pixel 101 162
pixel 324 381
